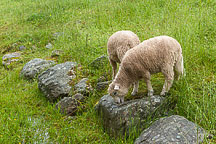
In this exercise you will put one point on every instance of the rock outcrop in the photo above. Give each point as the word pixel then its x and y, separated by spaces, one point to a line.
pixel 120 120
pixel 54 82
pixel 174 130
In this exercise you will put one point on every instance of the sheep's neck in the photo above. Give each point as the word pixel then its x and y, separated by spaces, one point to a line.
pixel 123 79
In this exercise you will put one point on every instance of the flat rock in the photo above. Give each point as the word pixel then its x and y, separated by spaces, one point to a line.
pixel 173 130
pixel 21 48
pixel 54 82
pixel 9 58
pixel 35 67
pixel 119 120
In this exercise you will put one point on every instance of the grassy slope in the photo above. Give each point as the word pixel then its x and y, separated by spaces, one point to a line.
pixel 26 116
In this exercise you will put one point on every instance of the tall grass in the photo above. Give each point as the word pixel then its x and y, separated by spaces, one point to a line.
pixel 27 117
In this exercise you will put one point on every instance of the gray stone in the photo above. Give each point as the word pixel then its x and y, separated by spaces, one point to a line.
pixel 54 82
pixel 21 48
pixel 102 79
pixel 35 67
pixel 120 120
pixel 174 129
pixel 49 46
pixel 102 85
pixel 68 105
pixel 58 34
pixel 83 87
pixel 9 58
pixel 56 53
pixel 78 96
pixel 99 62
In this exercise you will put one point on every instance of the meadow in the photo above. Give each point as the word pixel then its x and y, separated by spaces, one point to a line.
pixel 26 116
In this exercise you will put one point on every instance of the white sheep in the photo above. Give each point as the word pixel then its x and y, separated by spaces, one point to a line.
pixel 118 44
pixel 158 54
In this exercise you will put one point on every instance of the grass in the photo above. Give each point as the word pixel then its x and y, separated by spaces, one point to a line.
pixel 28 117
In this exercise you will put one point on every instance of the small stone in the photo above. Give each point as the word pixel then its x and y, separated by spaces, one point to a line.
pixel 83 87
pixel 78 96
pixel 68 106
pixel 102 85
pixel 21 48
pixel 9 58
pixel 99 62
pixel 58 34
pixel 49 46
pixel 56 53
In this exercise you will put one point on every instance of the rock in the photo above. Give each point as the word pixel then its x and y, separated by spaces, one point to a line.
pixel 68 105
pixel 99 62
pixel 54 82
pixel 120 120
pixel 102 79
pixel 56 53
pixel 58 34
pixel 102 85
pixel 78 96
pixel 49 46
pixel 83 87
pixel 21 48
pixel 9 58
pixel 35 67
pixel 173 129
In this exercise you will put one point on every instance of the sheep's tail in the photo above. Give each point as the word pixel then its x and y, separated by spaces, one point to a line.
pixel 179 67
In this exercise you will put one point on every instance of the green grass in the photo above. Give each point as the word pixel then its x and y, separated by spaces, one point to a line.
pixel 26 116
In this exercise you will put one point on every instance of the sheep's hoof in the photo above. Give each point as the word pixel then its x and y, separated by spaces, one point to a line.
pixel 150 93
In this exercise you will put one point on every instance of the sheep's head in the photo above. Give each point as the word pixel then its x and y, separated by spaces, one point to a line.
pixel 117 92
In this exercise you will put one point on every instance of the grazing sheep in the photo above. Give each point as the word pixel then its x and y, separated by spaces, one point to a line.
pixel 118 44
pixel 158 54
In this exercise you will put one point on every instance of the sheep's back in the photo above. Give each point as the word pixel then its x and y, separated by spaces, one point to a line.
pixel 119 43
pixel 152 55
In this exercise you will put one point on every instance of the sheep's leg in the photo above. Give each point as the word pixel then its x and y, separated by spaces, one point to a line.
pixel 135 89
pixel 169 77
pixel 179 68
pixel 114 68
pixel 147 78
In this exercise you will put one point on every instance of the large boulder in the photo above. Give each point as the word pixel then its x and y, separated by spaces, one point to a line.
pixel 120 120
pixel 174 130
pixel 35 67
pixel 54 82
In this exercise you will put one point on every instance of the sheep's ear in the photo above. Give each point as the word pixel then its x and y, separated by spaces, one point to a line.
pixel 116 87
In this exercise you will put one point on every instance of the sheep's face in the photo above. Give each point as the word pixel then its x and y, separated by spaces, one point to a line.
pixel 117 92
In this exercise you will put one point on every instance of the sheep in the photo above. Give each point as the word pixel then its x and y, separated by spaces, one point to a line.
pixel 118 44
pixel 158 54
